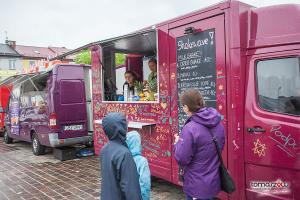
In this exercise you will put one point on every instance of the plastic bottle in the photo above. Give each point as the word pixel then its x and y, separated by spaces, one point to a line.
pixel 130 95
pixel 135 91
pixel 126 91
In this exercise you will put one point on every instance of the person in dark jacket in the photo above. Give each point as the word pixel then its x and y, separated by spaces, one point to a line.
pixel 195 151
pixel 120 180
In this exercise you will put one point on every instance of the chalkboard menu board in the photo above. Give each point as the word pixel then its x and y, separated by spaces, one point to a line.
pixel 196 67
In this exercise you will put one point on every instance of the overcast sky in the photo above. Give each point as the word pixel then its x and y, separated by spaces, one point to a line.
pixel 73 23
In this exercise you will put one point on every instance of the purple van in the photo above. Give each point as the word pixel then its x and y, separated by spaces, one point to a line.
pixel 50 109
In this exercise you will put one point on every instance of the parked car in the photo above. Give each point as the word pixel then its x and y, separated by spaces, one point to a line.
pixel 4 96
pixel 50 109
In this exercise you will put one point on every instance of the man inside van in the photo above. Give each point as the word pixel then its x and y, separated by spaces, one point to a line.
pixel 151 84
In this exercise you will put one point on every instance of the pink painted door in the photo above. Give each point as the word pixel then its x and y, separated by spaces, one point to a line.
pixel 272 126
pixel 197 60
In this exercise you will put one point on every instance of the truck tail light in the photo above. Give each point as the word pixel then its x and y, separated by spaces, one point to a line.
pixel 52 121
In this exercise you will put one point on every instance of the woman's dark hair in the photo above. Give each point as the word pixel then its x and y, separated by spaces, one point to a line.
pixel 193 99
pixel 153 60
pixel 132 73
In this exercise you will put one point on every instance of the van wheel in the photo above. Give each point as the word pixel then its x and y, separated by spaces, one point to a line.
pixel 6 138
pixel 37 148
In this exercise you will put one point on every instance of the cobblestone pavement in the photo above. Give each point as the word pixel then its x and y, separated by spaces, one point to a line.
pixel 24 176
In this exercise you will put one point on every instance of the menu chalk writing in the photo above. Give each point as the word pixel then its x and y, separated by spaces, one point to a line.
pixel 196 67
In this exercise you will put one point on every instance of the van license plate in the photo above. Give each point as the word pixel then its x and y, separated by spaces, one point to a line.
pixel 73 128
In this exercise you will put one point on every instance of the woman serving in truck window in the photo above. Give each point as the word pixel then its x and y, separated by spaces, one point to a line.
pixel 194 149
pixel 130 82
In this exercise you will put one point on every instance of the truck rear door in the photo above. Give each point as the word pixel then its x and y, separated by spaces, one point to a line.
pixel 272 126
pixel 70 105
pixel 197 60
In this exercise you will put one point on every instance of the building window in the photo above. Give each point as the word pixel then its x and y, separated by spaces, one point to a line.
pixel 12 65
pixel 279 85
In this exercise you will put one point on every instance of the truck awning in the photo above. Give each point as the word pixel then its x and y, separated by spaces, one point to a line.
pixel 143 42
pixel 134 41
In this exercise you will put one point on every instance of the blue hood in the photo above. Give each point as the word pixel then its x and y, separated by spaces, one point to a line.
pixel 115 127
pixel 208 117
pixel 133 141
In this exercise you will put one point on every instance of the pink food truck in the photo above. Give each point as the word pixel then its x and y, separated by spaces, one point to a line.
pixel 244 60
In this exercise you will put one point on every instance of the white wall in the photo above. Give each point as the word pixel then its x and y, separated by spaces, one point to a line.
pixel 120 79
pixel 146 70
pixel 4 66
pixel 4 63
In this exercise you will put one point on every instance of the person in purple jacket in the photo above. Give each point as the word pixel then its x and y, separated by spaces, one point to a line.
pixel 195 151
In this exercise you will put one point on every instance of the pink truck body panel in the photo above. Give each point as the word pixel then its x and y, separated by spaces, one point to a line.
pixel 261 146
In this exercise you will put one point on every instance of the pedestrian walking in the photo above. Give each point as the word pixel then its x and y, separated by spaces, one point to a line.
pixel 195 151
pixel 120 179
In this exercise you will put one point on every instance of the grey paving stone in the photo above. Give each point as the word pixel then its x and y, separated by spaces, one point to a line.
pixel 24 176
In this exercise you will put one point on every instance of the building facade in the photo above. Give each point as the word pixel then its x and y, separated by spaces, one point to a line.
pixel 10 62
pixel 15 59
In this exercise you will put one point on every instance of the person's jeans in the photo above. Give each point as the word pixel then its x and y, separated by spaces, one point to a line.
pixel 191 198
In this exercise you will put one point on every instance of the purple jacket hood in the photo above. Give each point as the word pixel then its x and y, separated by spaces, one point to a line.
pixel 208 117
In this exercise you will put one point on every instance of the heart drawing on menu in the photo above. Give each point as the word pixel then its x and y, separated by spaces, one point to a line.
pixel 163 105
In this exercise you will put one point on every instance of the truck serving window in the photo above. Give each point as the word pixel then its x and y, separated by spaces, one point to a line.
pixel 278 83
pixel 130 68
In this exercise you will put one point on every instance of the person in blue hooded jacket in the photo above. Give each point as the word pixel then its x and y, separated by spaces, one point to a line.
pixel 120 180
pixel 134 144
